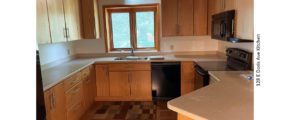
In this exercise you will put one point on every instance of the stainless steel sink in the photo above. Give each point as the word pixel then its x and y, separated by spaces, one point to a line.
pixel 132 58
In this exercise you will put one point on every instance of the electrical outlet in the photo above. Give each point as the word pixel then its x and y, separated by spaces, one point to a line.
pixel 171 47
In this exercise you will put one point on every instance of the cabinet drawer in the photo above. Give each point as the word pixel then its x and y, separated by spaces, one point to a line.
pixel 75 112
pixel 129 66
pixel 85 73
pixel 74 95
pixel 73 80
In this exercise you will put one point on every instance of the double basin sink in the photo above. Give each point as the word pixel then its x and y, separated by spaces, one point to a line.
pixel 140 58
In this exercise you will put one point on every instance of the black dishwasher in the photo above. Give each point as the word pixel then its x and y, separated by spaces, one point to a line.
pixel 165 80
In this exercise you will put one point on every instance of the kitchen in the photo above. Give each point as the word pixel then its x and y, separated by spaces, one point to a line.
pixel 140 56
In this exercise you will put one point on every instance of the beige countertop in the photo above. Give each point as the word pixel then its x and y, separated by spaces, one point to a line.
pixel 229 99
pixel 56 74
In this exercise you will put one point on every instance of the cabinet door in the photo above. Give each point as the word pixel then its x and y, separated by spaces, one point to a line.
pixel 200 17
pixel 56 20
pixel 140 85
pixel 119 84
pixel 55 103
pixel 230 4
pixel 90 17
pixel 187 77
pixel 72 19
pixel 169 17
pixel 102 80
pixel 211 11
pixel 89 89
pixel 42 26
pixel 219 6
pixel 185 18
pixel 245 19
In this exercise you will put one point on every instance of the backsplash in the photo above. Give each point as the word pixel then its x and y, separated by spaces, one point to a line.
pixel 52 52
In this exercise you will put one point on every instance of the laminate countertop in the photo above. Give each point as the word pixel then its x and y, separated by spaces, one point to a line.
pixel 229 99
pixel 56 74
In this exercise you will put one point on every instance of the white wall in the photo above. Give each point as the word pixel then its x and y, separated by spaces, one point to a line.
pixel 185 43
pixel 53 52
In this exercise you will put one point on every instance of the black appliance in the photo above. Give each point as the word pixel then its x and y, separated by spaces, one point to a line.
pixel 165 80
pixel 237 60
pixel 40 105
pixel 223 25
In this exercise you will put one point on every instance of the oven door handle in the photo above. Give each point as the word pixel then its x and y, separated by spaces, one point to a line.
pixel 199 70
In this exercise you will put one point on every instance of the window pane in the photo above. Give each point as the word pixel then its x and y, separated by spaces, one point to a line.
pixel 121 30
pixel 145 29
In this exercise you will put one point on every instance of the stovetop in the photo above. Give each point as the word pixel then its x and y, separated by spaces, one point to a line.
pixel 218 66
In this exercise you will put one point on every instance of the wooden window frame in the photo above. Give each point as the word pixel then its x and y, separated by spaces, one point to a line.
pixel 132 10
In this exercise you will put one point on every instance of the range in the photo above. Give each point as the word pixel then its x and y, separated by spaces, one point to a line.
pixel 237 60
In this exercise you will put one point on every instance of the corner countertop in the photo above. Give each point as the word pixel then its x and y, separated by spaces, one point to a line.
pixel 229 99
pixel 54 75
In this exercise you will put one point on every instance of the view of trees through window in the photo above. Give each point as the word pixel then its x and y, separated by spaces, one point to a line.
pixel 144 26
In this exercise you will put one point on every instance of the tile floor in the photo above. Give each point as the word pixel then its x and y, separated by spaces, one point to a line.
pixel 130 111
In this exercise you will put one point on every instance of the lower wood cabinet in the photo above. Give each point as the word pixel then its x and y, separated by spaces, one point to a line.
pixel 55 103
pixel 116 83
pixel 70 99
pixel 102 80
pixel 89 85
pixel 141 85
pixel 119 84
pixel 187 77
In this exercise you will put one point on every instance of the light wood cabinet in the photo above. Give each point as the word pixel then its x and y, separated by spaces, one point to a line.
pixel 90 18
pixel 224 5
pixel 55 103
pixel 169 17
pixel 119 84
pixel 42 24
pixel 74 95
pixel 72 19
pixel 123 81
pixel 89 83
pixel 184 17
pixel 245 19
pixel 187 77
pixel 200 17
pixel 102 80
pixel 56 20
pixel 141 85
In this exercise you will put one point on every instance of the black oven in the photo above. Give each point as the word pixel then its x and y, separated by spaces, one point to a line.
pixel 237 60
pixel 223 25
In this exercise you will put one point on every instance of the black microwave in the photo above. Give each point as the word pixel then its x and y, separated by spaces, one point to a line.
pixel 223 25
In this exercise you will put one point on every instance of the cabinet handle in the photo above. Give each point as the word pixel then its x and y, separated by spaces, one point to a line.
pixel 67 32
pixel 76 90
pixel 51 101
pixel 53 98
pixel 64 32
pixel 177 29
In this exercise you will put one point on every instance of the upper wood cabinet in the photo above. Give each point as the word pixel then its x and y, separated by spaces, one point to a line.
pixel 72 19
pixel 55 103
pixel 42 24
pixel 245 19
pixel 56 20
pixel 169 17
pixel 184 17
pixel 200 17
pixel 90 18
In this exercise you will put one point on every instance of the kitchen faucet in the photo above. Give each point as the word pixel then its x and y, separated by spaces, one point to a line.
pixel 132 51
